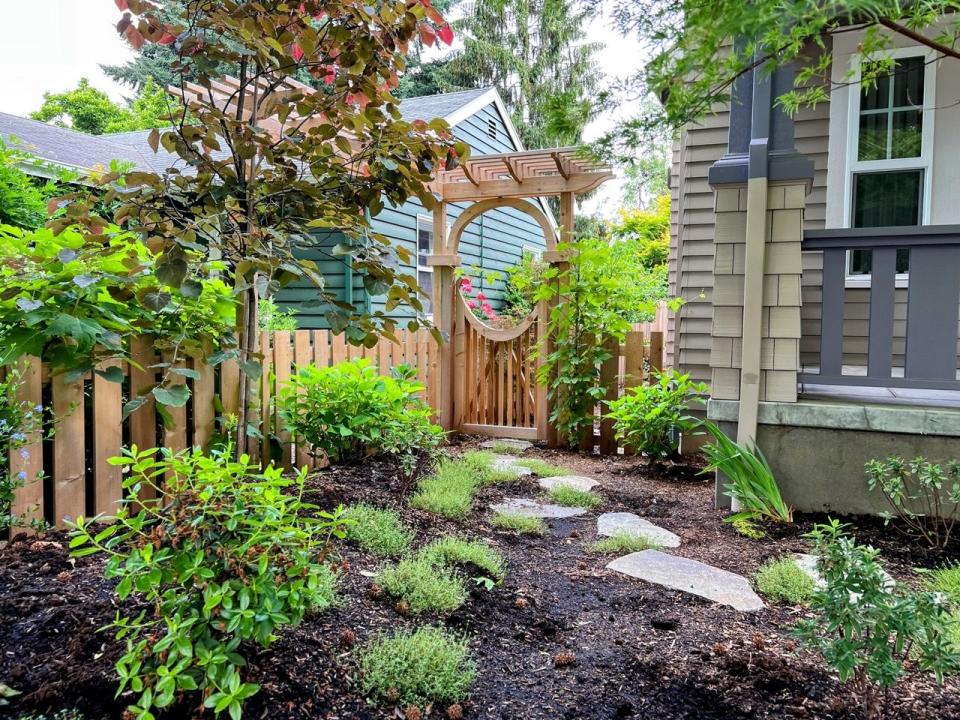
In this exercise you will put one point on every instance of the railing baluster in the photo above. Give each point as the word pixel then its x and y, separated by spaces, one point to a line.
pixel 831 320
pixel 933 304
pixel 882 295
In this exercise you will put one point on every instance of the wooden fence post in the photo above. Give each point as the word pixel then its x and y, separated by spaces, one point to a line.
pixel 610 378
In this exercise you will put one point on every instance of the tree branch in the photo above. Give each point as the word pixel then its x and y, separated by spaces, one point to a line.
pixel 945 50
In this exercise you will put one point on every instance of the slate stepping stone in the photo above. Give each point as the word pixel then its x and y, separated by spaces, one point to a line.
pixel 690 576
pixel 577 482
pixel 505 463
pixel 532 508
pixel 518 445
pixel 629 524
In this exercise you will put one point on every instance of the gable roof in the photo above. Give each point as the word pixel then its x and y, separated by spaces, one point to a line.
pixel 77 150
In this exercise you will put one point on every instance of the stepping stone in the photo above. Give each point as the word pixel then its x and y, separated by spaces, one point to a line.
pixel 532 508
pixel 690 576
pixel 518 445
pixel 627 523
pixel 505 463
pixel 577 482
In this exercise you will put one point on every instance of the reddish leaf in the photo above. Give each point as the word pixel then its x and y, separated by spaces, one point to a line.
pixel 428 36
pixel 167 39
pixel 446 34
pixel 122 4
pixel 297 52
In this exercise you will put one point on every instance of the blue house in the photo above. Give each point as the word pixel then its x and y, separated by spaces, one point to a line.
pixel 494 242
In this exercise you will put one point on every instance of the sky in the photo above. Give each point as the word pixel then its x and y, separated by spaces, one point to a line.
pixel 48 45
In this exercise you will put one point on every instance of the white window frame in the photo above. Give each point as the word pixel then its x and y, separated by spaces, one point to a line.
pixel 923 163
pixel 427 221
pixel 536 252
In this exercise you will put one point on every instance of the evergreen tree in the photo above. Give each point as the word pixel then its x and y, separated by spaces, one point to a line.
pixel 535 54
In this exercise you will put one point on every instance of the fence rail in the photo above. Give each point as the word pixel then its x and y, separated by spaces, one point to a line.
pixel 67 474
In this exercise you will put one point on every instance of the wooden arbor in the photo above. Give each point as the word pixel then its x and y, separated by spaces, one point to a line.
pixel 488 376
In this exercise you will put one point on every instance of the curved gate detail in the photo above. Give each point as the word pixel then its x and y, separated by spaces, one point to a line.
pixel 496 391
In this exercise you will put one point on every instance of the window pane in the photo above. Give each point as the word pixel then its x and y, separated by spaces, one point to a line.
pixel 887 199
pixel 907 134
pixel 861 261
pixel 908 82
pixel 873 137
pixel 873 98
pixel 425 281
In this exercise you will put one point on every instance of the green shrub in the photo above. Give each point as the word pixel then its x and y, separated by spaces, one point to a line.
pixel 423 585
pixel 924 496
pixel 428 665
pixel 621 542
pixel 572 497
pixel 274 318
pixel 459 552
pixel 378 531
pixel 782 580
pixel 543 469
pixel 650 418
pixel 522 524
pixel 752 483
pixel 867 632
pixel 348 412
pixel 944 580
pixel 227 557
pixel 411 440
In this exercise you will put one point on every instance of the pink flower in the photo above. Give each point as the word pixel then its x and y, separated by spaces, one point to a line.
pixel 486 307
pixel 481 297
pixel 471 304
pixel 490 313
pixel 466 285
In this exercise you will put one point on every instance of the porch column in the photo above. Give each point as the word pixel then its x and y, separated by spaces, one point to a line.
pixel 760 188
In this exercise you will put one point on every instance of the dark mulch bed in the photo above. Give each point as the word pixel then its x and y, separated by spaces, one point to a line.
pixel 640 651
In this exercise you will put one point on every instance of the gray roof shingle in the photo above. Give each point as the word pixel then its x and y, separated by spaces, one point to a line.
pixel 74 149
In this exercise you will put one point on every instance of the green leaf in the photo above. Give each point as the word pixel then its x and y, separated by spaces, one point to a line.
pixel 114 374
pixel 186 372
pixel 172 396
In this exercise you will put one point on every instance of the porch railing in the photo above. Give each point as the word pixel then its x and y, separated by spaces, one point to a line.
pixel 932 306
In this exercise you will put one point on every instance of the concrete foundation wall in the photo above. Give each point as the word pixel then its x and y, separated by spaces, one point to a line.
pixel 820 469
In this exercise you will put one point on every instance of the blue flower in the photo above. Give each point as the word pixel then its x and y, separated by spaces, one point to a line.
pixel 22 476
pixel 18 437
pixel 24 453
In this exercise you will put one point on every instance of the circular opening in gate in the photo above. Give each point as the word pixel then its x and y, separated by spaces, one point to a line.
pixel 500 243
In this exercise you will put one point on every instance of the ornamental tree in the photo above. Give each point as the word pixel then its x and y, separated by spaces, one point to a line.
pixel 262 164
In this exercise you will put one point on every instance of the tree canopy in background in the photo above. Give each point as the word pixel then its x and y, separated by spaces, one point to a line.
pixel 23 200
pixel 89 110
pixel 694 63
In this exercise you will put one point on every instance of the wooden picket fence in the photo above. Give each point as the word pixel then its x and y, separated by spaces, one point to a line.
pixel 632 364
pixel 67 474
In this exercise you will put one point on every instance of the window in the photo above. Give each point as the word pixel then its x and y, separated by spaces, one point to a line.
pixel 890 150
pixel 425 271
pixel 533 251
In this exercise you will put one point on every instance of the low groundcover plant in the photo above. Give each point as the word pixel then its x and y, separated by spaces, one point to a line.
pixel 228 554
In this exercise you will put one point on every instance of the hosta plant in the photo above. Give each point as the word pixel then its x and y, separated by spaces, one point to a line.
pixel 868 632
pixel 228 556
pixel 648 419
pixel 924 496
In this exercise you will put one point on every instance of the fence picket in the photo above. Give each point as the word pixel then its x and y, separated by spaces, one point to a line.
pixel 107 441
pixel 282 358
pixel 69 448
pixel 28 500
pixel 204 416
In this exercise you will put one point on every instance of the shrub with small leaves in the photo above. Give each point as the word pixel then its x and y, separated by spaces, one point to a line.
pixel 867 632
pixel 428 665
pixel 348 412
pixel 782 580
pixel 423 585
pixel 924 496
pixel 572 497
pixel 378 531
pixel 228 554
pixel 460 552
pixel 649 418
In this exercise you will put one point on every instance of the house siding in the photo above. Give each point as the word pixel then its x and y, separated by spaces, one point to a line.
pixel 492 243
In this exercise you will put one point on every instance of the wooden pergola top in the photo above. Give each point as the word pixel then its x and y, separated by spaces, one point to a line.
pixel 531 173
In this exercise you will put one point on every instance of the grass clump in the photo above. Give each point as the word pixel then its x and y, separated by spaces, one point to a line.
pixel 522 524
pixel 782 580
pixel 428 665
pixel 748 528
pixel 945 580
pixel 500 447
pixel 458 552
pixel 423 585
pixel 543 469
pixel 480 462
pixel 379 532
pixel 621 542
pixel 449 491
pixel 571 497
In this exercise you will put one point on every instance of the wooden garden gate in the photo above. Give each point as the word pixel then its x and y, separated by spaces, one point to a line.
pixel 495 375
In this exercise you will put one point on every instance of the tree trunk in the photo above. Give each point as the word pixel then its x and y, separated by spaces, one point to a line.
pixel 248 340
